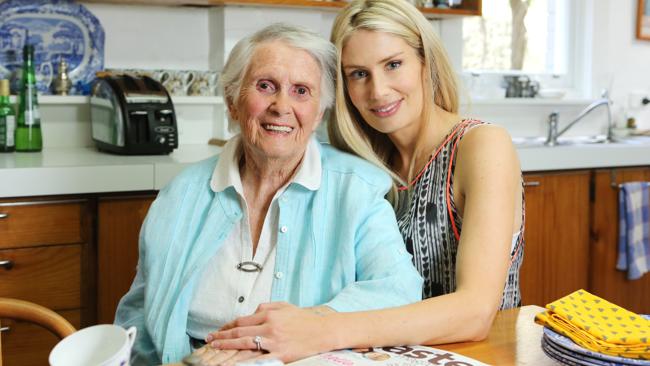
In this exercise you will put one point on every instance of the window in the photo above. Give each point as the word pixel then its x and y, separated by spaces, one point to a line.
pixel 557 51
pixel 530 36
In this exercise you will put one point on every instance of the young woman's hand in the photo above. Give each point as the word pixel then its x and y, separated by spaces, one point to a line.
pixel 286 332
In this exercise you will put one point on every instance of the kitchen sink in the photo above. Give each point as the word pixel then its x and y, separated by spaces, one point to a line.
pixel 524 142
pixel 633 140
pixel 531 142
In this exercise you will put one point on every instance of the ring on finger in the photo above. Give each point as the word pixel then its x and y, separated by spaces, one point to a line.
pixel 258 342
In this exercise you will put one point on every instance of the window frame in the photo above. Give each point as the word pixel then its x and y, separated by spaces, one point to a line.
pixel 575 81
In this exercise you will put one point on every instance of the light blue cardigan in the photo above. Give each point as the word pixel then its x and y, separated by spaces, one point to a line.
pixel 344 250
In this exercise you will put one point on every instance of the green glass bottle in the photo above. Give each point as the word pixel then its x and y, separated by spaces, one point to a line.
pixel 7 119
pixel 28 130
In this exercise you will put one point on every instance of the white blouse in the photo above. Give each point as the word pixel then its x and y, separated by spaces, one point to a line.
pixel 224 292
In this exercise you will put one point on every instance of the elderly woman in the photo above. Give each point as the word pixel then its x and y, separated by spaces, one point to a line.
pixel 275 217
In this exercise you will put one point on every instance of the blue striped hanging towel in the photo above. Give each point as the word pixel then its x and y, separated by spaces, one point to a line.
pixel 634 229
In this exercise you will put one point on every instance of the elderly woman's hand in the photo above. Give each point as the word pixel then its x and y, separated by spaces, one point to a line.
pixel 286 332
pixel 208 356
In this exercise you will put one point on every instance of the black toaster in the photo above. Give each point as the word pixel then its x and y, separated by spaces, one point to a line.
pixel 132 115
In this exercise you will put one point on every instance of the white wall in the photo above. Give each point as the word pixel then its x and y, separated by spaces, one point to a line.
pixel 242 21
pixel 154 37
pixel 618 57
pixel 160 37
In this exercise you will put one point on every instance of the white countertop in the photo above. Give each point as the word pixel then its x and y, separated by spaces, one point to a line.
pixel 74 170
pixel 585 156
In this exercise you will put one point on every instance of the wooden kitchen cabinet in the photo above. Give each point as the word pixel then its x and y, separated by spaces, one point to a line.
pixel 47 257
pixel 51 258
pixel 118 227
pixel 557 236
pixel 604 279
pixel 48 276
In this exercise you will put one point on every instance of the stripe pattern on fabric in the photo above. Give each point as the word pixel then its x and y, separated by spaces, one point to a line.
pixel 634 229
pixel 431 226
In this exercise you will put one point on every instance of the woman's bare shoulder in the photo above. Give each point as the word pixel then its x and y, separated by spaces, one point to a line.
pixel 486 141
pixel 487 134
pixel 486 150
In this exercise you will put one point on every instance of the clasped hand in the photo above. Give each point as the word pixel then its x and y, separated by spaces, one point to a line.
pixel 285 331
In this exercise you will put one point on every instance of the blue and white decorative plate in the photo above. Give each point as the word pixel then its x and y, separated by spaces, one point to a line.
pixel 57 29
pixel 566 343
pixel 551 348
pixel 566 358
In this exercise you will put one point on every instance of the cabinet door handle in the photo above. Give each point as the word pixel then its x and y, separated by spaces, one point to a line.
pixel 7 264
pixel 3 215
pixel 532 183
pixel 4 329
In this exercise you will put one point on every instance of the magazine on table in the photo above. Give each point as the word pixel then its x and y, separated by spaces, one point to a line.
pixel 389 356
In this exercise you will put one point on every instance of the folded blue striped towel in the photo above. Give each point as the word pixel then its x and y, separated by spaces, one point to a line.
pixel 634 229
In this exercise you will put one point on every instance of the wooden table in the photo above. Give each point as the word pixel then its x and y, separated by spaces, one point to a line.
pixel 514 339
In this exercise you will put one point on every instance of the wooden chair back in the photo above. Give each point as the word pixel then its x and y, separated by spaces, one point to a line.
pixel 34 313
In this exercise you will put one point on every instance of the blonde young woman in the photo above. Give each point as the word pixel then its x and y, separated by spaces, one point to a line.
pixel 457 193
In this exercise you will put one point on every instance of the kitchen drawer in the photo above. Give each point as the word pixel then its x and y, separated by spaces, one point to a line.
pixel 49 276
pixel 27 344
pixel 37 223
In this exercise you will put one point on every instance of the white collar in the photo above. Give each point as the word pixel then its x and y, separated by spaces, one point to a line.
pixel 226 173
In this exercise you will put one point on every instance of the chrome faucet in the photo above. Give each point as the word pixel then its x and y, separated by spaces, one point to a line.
pixel 553 133
pixel 551 138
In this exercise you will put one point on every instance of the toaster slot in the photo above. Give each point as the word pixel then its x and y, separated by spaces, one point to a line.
pixel 140 124
pixel 152 84
pixel 128 83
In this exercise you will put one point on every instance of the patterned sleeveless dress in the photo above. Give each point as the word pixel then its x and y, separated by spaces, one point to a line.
pixel 431 227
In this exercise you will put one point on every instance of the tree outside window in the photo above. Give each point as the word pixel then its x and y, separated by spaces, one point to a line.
pixel 530 36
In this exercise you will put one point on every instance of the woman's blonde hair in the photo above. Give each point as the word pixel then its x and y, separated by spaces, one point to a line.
pixel 347 129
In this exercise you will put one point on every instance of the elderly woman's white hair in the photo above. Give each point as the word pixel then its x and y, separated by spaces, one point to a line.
pixel 239 59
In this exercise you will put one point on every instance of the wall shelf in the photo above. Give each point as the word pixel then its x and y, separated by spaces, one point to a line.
pixel 56 99
pixel 468 8
pixel 83 99
pixel 194 100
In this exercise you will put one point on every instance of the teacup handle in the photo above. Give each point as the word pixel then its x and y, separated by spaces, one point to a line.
pixel 163 77
pixel 130 335
pixel 187 80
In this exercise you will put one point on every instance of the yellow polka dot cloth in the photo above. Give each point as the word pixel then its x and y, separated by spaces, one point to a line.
pixel 598 325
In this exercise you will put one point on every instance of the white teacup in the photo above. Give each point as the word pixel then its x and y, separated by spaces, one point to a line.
pixel 104 344
pixel 187 78
pixel 161 75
